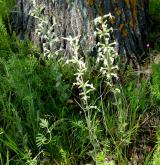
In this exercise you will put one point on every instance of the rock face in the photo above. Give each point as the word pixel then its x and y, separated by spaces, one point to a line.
pixel 75 17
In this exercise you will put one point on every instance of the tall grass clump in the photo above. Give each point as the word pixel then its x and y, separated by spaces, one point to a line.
pixel 156 156
pixel 155 87
pixel 26 95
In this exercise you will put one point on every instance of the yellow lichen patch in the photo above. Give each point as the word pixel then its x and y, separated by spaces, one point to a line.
pixel 118 11
pixel 132 23
pixel 128 3
pixel 125 32
pixel 90 2
pixel 135 10
pixel 121 26
pixel 112 20
pixel 115 1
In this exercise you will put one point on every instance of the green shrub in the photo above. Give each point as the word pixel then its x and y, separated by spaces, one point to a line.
pixel 154 7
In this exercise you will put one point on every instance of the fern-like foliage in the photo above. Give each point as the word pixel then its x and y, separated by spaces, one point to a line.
pixel 44 123
pixel 40 140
